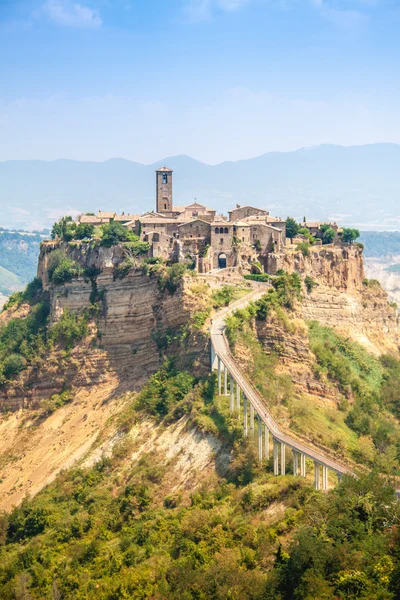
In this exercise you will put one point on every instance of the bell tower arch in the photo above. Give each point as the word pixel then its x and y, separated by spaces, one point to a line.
pixel 164 190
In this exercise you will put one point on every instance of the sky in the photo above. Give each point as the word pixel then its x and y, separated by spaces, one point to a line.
pixel 214 79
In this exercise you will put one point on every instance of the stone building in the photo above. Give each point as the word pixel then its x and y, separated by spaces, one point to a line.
pixel 195 233
pixel 241 212
pixel 164 190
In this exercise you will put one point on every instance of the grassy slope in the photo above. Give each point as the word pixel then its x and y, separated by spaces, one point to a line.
pixel 131 527
pixel 360 425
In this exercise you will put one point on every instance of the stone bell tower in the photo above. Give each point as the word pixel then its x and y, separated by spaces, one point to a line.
pixel 164 190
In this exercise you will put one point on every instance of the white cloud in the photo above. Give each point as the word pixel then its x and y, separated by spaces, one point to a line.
pixel 342 17
pixel 202 10
pixel 71 14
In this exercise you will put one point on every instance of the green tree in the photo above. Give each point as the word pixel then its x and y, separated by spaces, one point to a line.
pixel 328 234
pixel 292 228
pixel 84 231
pixel 350 235
pixel 64 229
pixel 115 233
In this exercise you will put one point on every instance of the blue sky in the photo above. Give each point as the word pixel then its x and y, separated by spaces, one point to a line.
pixel 215 79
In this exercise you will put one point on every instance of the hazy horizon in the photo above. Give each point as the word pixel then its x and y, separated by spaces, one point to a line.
pixel 219 80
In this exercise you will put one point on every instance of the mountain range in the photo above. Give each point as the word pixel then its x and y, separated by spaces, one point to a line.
pixel 357 185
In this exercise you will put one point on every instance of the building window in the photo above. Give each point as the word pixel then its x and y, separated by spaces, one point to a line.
pixel 222 240
pixel 216 230
pixel 242 239
pixel 165 207
pixel 165 178
pixel 226 230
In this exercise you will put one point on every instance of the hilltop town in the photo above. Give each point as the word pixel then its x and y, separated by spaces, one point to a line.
pixel 249 237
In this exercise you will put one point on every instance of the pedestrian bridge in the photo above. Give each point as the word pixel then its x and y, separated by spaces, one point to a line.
pixel 250 406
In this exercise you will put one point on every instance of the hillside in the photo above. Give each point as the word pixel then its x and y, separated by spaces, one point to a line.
pixel 18 260
pixel 143 483
pixel 301 183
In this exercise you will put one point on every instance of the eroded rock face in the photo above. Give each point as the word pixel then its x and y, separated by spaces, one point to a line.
pixel 135 322
pixel 340 268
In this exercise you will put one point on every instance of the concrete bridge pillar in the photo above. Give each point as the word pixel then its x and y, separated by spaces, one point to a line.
pixel 276 457
pixel 225 381
pixel 295 463
pixel 260 439
pixel 302 465
pixel 238 398
pixel 339 477
pixel 266 443
pixel 245 415
pixel 219 376
pixel 231 394
pixel 317 471
pixel 283 458
pixel 251 419
pixel 324 477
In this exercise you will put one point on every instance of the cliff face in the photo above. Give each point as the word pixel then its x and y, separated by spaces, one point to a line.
pixel 135 322
pixel 343 298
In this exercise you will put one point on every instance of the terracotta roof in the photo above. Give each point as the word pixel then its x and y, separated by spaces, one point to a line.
pixel 315 223
pixel 194 221
pixel 241 224
pixel 126 217
pixel 93 220
pixel 105 215
pixel 157 221
pixel 224 223
pixel 274 220
pixel 152 213
pixel 178 208
pixel 248 206
pixel 164 170
pixel 265 225
pixel 195 205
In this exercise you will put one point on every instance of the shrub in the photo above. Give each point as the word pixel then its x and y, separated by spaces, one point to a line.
pixel 171 277
pixel 304 248
pixel 12 365
pixel 310 284
pixel 223 296
pixel 56 401
pixel 84 231
pixel 62 269
pixel 30 295
pixel 199 318
pixel 165 388
pixel 115 233
pixel 69 329
pixel 304 231
pixel 257 245
pixel 264 277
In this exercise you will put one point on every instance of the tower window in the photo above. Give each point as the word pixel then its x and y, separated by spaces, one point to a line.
pixel 165 207
pixel 165 178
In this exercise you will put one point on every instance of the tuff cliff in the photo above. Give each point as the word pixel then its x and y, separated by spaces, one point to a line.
pixel 133 324
pixel 341 297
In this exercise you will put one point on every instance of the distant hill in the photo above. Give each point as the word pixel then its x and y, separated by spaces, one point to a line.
pixel 357 185
pixel 381 244
pixel 18 260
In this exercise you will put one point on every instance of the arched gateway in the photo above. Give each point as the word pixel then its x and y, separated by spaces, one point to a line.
pixel 222 261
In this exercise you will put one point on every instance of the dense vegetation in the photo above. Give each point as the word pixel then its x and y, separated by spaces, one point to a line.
pixel 109 234
pixel 25 340
pixel 116 531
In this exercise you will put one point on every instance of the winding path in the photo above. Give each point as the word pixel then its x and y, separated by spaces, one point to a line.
pixel 223 360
